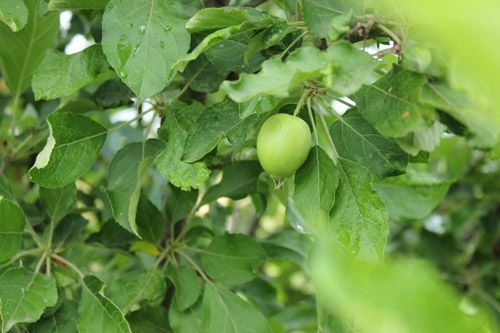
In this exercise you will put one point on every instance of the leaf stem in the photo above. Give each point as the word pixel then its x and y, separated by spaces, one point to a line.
pixel 328 135
pixel 69 264
pixel 19 255
pixel 195 266
pixel 29 229
pixel 301 102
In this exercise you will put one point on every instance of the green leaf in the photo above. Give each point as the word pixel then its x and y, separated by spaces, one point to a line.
pixel 125 180
pixel 61 321
pixel 406 295
pixel 392 106
pixel 142 47
pixel 132 288
pixel 276 77
pixel 189 321
pixel 77 4
pixel 149 320
pixel 69 230
pixel 14 13
pixel 350 68
pixel 187 286
pixel 239 180
pixel 460 107
pixel 318 15
pixel 225 312
pixel 96 313
pixel 315 185
pixel 174 131
pixel 21 52
pixel 180 203
pixel 58 201
pixel 228 55
pixel 72 147
pixel 288 245
pixel 12 223
pixel 413 195
pixel 203 75
pixel 232 258
pixel 220 18
pixel 356 140
pixel 206 44
pixel 23 296
pixel 61 75
pixel 407 198
pixel 359 216
pixel 149 220
pixel 209 129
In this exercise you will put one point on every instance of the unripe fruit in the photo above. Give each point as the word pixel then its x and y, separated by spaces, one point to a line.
pixel 283 144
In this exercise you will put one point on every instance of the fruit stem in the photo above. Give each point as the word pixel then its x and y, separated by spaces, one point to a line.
pixel 300 103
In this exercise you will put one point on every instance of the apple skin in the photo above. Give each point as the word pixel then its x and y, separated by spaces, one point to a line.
pixel 283 144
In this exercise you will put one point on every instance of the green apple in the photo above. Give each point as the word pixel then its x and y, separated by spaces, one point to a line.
pixel 283 144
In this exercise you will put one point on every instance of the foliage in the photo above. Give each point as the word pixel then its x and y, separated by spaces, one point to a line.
pixel 131 194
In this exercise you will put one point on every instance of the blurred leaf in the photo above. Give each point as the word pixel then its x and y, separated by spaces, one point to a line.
pixel 132 288
pixel 276 77
pixel 126 174
pixel 409 295
pixel 225 312
pixel 24 296
pixel 232 258
pixel 392 106
pixel 187 284
pixel 359 216
pixel 77 4
pixel 96 313
pixel 72 147
pixel 142 47
pixel 356 140
pixel 179 119
pixel 12 224
pixel 61 75
pixel 58 201
pixel 350 68
pixel 238 181
pixel 14 13
pixel 209 128
pixel 21 52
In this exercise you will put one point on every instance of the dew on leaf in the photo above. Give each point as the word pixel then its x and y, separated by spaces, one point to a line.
pixel 142 28
pixel 167 28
